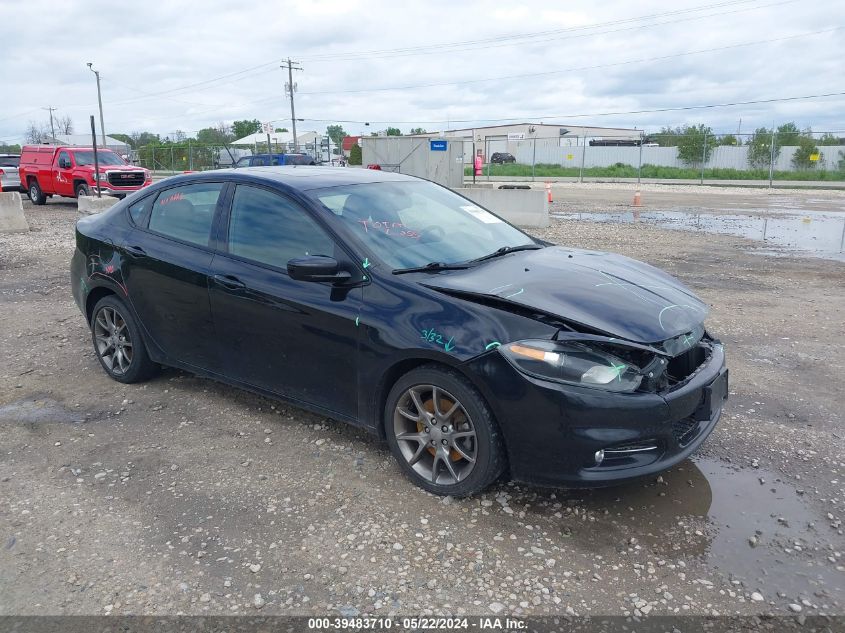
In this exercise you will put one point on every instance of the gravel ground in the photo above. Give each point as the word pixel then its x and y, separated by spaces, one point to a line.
pixel 185 496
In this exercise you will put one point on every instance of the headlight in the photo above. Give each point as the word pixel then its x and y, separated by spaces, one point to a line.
pixel 148 175
pixel 575 363
pixel 99 176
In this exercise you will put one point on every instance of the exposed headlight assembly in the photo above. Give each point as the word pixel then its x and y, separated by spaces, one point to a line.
pixel 573 362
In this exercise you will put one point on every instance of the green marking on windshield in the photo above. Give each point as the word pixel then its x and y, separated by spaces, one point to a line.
pixel 493 345
pixel 357 320
pixel 366 262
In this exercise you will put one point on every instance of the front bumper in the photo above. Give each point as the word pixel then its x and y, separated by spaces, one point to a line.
pixel 552 431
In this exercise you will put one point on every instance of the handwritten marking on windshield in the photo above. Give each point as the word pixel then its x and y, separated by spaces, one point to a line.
pixel 518 292
pixel 492 345
pixel 389 228
pixel 432 336
pixel 366 262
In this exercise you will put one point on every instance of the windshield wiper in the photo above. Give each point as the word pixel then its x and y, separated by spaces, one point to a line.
pixel 430 267
pixel 505 250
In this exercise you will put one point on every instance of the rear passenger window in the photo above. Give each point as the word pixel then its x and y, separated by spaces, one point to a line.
pixel 186 213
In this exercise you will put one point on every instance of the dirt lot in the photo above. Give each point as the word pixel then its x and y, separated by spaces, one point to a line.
pixel 185 496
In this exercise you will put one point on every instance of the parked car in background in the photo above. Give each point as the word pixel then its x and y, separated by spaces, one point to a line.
pixel 9 178
pixel 50 170
pixel 502 158
pixel 264 160
pixel 399 306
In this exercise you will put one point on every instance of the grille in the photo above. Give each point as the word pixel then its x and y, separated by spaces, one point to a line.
pixel 126 178
pixel 684 430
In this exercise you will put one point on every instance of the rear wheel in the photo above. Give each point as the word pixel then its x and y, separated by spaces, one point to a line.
pixel 35 193
pixel 118 344
pixel 442 432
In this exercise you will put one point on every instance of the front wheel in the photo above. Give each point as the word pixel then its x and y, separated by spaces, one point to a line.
pixel 442 433
pixel 82 190
pixel 118 344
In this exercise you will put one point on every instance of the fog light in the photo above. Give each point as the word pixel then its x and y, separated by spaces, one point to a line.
pixel 599 457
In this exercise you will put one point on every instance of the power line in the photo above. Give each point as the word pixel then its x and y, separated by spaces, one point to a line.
pixel 449 49
pixel 572 69
pixel 517 36
pixel 589 114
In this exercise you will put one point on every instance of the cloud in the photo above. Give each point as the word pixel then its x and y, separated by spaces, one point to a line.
pixel 184 65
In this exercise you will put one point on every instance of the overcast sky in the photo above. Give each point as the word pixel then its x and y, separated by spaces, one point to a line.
pixel 184 66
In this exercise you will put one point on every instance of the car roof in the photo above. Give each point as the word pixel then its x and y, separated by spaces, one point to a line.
pixel 302 177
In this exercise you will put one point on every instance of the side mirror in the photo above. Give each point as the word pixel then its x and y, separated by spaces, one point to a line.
pixel 317 268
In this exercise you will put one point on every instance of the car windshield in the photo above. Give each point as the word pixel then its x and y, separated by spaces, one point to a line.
pixel 413 224
pixel 10 161
pixel 103 157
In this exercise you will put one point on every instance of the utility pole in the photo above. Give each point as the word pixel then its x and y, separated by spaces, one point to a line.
pixel 100 101
pixel 52 128
pixel 290 88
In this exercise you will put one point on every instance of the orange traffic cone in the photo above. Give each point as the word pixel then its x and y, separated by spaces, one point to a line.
pixel 638 199
pixel 549 192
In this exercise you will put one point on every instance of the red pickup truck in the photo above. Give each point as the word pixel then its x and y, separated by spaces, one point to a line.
pixel 50 170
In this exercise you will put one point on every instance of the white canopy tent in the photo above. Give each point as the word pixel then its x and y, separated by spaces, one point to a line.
pixel 281 139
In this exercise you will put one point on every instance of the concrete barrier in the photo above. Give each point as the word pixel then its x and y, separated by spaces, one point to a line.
pixel 12 219
pixel 91 205
pixel 517 206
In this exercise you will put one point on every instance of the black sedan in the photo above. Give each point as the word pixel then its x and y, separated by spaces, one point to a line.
pixel 397 305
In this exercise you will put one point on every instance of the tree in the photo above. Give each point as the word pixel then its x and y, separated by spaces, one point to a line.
pixel 802 158
pixel 691 144
pixel 33 132
pixel 64 125
pixel 729 139
pixel 787 134
pixel 214 135
pixel 244 128
pixel 417 130
pixel 760 148
pixel 668 136
pixel 355 155
pixel 124 138
pixel 336 133
pixel 9 149
pixel 393 131
pixel 829 139
pixel 280 129
pixel 140 139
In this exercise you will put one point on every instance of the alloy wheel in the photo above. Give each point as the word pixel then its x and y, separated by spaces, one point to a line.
pixel 435 434
pixel 112 340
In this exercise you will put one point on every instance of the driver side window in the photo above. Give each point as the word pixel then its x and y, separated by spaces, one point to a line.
pixel 269 228
pixel 64 160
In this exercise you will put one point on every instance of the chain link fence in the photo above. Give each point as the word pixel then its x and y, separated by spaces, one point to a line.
pixel 173 158
pixel 694 155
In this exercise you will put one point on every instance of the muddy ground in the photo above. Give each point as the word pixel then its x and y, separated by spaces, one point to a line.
pixel 185 496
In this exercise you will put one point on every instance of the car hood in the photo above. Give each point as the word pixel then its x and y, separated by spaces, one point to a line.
pixel 616 295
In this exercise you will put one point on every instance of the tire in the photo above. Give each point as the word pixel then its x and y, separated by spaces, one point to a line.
pixel 132 362
pixel 453 449
pixel 35 193
pixel 82 190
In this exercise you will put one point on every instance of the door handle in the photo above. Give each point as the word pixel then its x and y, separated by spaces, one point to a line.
pixel 137 251
pixel 229 281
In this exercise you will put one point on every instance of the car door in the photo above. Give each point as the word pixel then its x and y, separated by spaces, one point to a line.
pixel 62 175
pixel 169 265
pixel 296 338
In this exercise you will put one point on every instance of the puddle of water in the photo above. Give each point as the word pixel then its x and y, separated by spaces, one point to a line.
pixel 812 232
pixel 734 507
pixel 38 410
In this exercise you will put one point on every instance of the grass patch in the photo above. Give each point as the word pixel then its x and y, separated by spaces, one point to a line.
pixel 620 170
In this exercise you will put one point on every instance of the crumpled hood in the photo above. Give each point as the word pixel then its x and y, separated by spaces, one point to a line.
pixel 617 295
